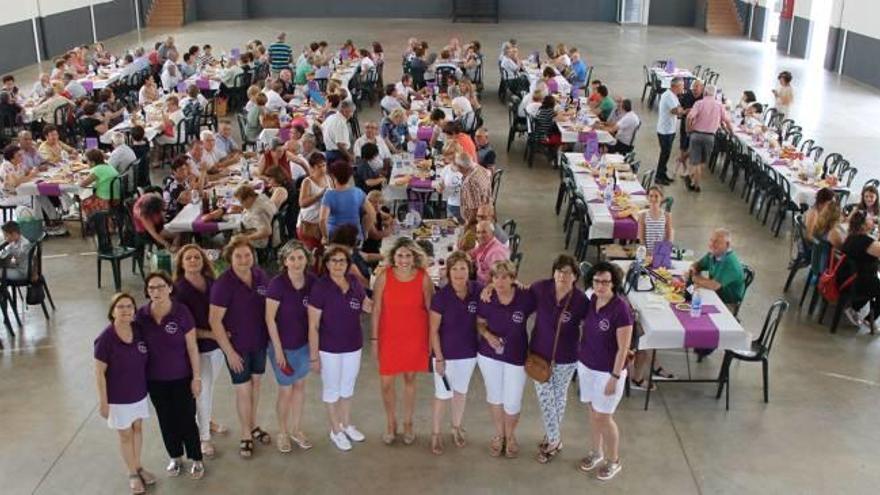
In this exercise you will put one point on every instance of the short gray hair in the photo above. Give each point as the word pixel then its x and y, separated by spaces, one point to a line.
pixel 206 134
pixel 709 90
pixel 117 138
pixel 676 81
pixel 346 105
pixel 723 233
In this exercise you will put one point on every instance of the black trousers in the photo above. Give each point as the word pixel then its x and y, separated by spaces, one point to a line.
pixel 176 410
pixel 666 141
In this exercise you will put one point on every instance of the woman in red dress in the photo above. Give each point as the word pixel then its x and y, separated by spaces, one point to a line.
pixel 401 296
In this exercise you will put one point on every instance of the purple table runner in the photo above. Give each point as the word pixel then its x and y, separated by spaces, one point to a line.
pixel 699 332
pixel 49 189
pixel 200 226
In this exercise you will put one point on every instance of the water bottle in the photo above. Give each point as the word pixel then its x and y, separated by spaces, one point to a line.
pixel 609 195
pixel 641 252
pixel 435 233
pixel 696 303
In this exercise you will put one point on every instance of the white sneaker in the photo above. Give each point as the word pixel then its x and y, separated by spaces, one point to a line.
pixel 340 441
pixel 853 316
pixel 353 434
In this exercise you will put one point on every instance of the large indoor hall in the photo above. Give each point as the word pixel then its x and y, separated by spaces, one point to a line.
pixel 608 246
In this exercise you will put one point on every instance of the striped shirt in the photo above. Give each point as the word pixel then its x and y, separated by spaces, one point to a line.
pixel 279 55
pixel 655 230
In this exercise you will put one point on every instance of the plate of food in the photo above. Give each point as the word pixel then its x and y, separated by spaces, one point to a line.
pixel 683 306
pixel 674 297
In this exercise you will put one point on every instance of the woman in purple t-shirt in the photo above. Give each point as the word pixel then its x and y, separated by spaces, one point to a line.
pixel 238 320
pixel 288 322
pixel 173 375
pixel 560 308
pixel 453 327
pixel 192 288
pixel 121 375
pixel 607 333
pixel 335 341
pixel 502 353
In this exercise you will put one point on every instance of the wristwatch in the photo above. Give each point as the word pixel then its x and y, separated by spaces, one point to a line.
pixel 615 375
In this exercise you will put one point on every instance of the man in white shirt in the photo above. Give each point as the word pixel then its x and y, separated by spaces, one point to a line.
pixel 122 156
pixel 391 100
pixel 173 116
pixel 510 64
pixel 404 87
pixel 371 135
pixel 213 155
pixel 74 88
pixel 225 143
pixel 274 101
pixel 42 86
pixel 170 73
pixel 667 126
pixel 624 129
pixel 337 133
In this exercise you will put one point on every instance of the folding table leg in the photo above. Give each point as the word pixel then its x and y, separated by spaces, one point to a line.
pixel 650 378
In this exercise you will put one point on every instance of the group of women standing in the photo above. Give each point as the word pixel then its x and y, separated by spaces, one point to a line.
pixel 173 349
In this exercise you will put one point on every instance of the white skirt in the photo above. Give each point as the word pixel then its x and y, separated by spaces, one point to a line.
pixel 122 416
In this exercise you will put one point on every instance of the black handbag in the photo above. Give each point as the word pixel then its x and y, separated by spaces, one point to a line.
pixel 35 294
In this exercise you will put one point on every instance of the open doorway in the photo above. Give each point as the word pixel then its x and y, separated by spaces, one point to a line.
pixel 774 10
pixel 820 15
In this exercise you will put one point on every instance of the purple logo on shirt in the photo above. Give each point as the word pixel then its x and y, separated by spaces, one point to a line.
pixel 171 327
pixel 566 316
pixel 354 304
pixel 261 290
pixel 472 307
pixel 142 347
pixel 517 317
pixel 604 324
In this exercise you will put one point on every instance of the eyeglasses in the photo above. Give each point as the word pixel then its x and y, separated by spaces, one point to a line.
pixel 601 282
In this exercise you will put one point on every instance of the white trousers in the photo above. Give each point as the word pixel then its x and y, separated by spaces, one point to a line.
pixel 339 372
pixel 458 374
pixel 211 363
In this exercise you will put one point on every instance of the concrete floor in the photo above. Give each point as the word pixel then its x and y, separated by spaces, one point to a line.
pixel 817 435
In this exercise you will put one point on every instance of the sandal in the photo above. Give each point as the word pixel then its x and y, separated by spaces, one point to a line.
pixel 458 437
pixel 643 385
pixel 301 441
pixel 436 444
pixel 261 436
pixel 496 446
pixel 409 436
pixel 659 372
pixel 136 484
pixel 283 443
pixel 545 455
pixel 147 477
pixel 208 449
pixel 246 448
pixel 511 448
pixel 197 471
pixel 218 428
pixel 390 438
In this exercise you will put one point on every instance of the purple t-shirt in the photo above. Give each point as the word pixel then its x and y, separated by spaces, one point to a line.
pixel 598 346
pixel 197 302
pixel 458 325
pixel 292 317
pixel 548 314
pixel 126 365
pixel 245 306
pixel 509 323
pixel 340 328
pixel 167 342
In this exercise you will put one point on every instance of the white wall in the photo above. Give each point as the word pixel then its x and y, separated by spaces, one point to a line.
pixel 19 10
pixel 802 8
pixel 861 16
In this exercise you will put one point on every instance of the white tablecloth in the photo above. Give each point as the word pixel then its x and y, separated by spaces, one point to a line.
pixel 441 251
pixel 667 77
pixel 663 329
pixel 182 223
pixel 34 189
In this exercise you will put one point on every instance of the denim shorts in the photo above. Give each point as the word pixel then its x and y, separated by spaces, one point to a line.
pixel 254 364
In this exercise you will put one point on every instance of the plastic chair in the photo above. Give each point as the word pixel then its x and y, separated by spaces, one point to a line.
pixel 34 275
pixel 496 184
pixel 760 351
pixel 107 251
pixel 801 258
pixel 513 243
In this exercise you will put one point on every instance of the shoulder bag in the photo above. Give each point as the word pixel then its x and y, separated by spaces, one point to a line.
pixel 536 366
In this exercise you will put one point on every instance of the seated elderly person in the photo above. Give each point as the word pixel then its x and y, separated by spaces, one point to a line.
pixel 179 186
pixel 623 129
pixel 724 272
pixel 257 213
pixel 371 135
pixel 488 250
pixel 391 101
pixel 53 150
pixel 45 111
pixel 394 130
pixel 368 175
pixel 225 142
pixel 73 88
pixel 14 252
pixel 485 213
pixel 214 156
pixel 485 153
pixel 122 155
pixel 172 116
